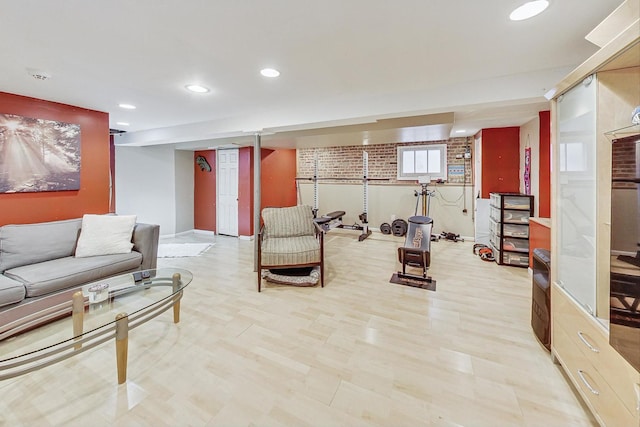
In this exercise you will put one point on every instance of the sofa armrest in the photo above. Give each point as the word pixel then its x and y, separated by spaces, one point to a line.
pixel 145 240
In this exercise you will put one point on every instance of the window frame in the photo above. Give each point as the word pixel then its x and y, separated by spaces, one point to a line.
pixel 442 148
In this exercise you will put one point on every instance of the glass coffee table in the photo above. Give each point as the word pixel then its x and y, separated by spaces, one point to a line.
pixel 40 333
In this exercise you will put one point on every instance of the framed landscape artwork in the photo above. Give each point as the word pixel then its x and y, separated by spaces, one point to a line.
pixel 38 155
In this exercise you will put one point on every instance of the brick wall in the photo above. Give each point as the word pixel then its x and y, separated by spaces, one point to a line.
pixel 624 162
pixel 346 162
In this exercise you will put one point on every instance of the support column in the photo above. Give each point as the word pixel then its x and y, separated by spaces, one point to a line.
pixel 122 346
pixel 257 157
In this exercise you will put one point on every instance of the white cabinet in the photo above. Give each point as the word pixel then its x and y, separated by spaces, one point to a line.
pixel 590 102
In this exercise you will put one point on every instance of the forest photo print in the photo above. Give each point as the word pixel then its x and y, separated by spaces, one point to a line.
pixel 38 155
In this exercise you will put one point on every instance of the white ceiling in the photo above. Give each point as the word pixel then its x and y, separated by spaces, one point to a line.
pixel 343 63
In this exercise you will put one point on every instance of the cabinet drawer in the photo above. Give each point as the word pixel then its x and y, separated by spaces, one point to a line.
pixel 591 339
pixel 513 258
pixel 515 230
pixel 515 217
pixel 516 202
pixel 510 230
pixel 596 391
pixel 517 245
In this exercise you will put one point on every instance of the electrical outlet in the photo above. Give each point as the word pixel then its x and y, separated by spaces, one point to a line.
pixel 467 155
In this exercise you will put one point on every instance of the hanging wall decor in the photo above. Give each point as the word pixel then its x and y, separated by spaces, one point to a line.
pixel 527 171
pixel 38 155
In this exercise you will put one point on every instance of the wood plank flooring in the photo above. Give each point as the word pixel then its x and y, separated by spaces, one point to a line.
pixel 359 352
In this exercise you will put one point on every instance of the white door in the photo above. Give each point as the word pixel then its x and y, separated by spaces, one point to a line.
pixel 227 190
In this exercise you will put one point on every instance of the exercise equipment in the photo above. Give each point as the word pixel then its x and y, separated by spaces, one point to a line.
pixel 385 228
pixel 399 227
pixel 334 219
pixel 416 253
pixel 424 197
pixel 484 252
pixel 451 236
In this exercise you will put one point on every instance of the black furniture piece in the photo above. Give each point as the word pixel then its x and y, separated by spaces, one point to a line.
pixel 541 297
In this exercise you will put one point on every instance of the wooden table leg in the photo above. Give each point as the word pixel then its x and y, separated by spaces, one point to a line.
pixel 78 317
pixel 122 345
pixel 176 304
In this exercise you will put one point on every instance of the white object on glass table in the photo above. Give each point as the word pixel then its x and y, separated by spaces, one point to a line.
pixel 98 292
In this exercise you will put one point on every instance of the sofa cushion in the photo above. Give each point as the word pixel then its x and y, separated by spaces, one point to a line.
pixel 11 291
pixel 105 235
pixel 50 276
pixel 290 250
pixel 288 222
pixel 32 243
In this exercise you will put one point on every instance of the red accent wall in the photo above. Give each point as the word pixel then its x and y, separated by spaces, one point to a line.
pixel 93 196
pixel 544 192
pixel 204 204
pixel 500 160
pixel 245 191
pixel 278 178
pixel 539 237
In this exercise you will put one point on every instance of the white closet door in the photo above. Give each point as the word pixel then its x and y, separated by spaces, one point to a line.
pixel 227 221
pixel 576 184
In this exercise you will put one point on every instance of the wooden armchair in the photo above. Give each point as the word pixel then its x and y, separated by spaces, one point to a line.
pixel 290 238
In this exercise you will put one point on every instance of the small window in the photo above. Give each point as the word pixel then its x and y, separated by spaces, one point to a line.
pixel 418 160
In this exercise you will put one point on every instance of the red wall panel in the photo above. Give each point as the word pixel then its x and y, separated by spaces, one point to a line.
pixel 539 237
pixel 278 185
pixel 245 191
pixel 544 192
pixel 93 195
pixel 500 161
pixel 204 209
pixel 278 178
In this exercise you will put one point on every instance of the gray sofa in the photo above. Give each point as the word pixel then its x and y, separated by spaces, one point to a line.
pixel 38 259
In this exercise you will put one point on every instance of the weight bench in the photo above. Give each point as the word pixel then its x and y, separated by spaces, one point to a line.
pixel 416 253
pixel 330 220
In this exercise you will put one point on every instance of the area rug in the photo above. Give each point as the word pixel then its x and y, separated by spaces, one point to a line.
pixel 176 250
pixel 416 283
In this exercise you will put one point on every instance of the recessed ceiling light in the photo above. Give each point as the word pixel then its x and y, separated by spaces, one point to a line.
pixel 122 123
pixel 529 10
pixel 197 88
pixel 270 72
pixel 127 106
pixel 461 131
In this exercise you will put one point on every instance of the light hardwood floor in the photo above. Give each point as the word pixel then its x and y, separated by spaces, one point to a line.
pixel 359 352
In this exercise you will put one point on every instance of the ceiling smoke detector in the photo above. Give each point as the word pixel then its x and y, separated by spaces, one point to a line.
pixel 38 74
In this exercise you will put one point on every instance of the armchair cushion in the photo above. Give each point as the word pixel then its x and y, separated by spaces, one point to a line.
pixel 288 222
pixel 290 250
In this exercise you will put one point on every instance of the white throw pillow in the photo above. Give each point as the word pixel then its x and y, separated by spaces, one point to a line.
pixel 105 235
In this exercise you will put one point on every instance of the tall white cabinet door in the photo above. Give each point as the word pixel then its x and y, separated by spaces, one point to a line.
pixel 227 190
pixel 575 154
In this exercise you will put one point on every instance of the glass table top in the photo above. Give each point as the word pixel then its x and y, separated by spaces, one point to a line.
pixel 130 293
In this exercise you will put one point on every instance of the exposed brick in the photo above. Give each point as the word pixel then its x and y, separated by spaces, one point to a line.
pixel 344 162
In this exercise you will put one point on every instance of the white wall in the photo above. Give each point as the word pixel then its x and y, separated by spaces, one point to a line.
pixel 184 164
pixel 530 137
pixel 152 182
pixel 387 202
